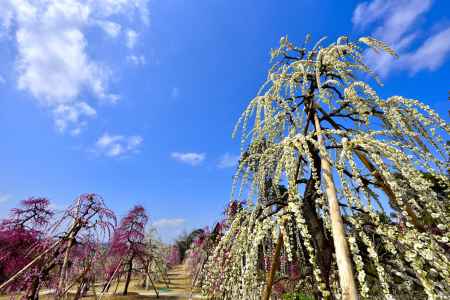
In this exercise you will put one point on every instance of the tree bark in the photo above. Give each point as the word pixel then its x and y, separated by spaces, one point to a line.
pixel 321 243
pixel 346 277
pixel 33 293
pixel 127 281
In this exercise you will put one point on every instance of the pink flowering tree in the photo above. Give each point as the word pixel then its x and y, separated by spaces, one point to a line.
pixel 203 245
pixel 53 265
pixel 87 256
pixel 89 218
pixel 22 237
pixel 128 245
pixel 173 257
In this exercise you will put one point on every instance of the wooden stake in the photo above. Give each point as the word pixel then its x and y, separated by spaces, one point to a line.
pixel 346 277
pixel 29 265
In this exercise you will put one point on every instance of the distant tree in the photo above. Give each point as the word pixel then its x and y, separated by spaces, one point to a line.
pixel 154 267
pixel 128 242
pixel 183 243
pixel 174 257
pixel 324 152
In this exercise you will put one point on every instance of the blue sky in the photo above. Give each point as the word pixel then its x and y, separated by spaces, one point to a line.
pixel 136 100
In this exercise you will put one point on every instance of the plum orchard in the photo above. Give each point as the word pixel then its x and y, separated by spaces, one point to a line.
pixel 51 260
pixel 325 158
pixel 68 256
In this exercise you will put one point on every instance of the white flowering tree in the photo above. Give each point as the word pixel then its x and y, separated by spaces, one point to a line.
pixel 326 161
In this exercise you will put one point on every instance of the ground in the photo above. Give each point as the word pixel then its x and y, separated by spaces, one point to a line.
pixel 179 288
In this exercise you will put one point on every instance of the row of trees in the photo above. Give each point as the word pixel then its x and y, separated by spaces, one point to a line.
pixel 82 251
pixel 346 193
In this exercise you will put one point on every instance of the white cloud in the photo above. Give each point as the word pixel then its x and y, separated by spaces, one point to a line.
pixel 71 116
pixel 397 23
pixel 130 8
pixel 118 145
pixel 228 161
pixel 190 158
pixel 168 223
pixel 175 93
pixel 368 12
pixel 52 58
pixel 396 17
pixel 111 28
pixel 4 198
pixel 132 37
pixel 170 229
pixel 432 54
pixel 136 59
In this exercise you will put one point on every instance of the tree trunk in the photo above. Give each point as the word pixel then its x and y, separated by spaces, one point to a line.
pixel 321 243
pixel 319 238
pixel 273 268
pixel 127 281
pixel 346 277
pixel 33 293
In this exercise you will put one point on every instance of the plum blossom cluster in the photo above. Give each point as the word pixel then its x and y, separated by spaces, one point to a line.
pixel 323 158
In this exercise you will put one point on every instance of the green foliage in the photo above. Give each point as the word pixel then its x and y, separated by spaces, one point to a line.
pixel 185 240
pixel 297 296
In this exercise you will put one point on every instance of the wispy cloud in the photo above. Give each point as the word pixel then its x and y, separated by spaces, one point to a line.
pixel 112 29
pixel 70 116
pixel 165 223
pixel 52 50
pixel 170 229
pixel 175 93
pixel 118 145
pixel 228 161
pixel 431 54
pixel 132 37
pixel 4 198
pixel 398 22
pixel 138 60
pixel 190 158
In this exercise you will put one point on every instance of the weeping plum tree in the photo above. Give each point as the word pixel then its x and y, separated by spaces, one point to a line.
pixel 22 236
pixel 154 265
pixel 129 243
pixel 91 221
pixel 325 158
pixel 87 219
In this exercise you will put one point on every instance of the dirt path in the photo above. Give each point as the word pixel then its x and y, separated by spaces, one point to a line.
pixel 179 285
pixel 179 288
